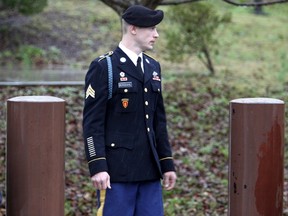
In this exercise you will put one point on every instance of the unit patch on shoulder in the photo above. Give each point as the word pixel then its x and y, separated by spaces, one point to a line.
pixel 105 55
pixel 90 92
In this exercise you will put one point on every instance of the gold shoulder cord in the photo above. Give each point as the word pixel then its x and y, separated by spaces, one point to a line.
pixel 105 55
pixel 149 56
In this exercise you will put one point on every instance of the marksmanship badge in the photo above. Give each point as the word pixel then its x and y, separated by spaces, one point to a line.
pixel 156 76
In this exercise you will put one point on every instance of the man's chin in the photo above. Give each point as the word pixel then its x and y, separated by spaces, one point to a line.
pixel 151 47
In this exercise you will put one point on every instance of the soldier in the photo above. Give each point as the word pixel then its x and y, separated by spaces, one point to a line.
pixel 124 122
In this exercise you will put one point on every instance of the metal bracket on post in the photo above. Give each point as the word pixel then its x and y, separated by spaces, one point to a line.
pixel 256 157
pixel 35 156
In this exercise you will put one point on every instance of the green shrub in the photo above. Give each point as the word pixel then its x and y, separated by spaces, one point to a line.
pixel 25 6
pixel 29 54
pixel 192 32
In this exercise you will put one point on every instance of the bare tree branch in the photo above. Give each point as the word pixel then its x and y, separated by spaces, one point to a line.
pixel 121 5
pixel 177 2
pixel 252 4
pixel 117 5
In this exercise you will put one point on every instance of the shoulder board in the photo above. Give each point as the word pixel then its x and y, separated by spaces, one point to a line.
pixel 105 55
pixel 149 56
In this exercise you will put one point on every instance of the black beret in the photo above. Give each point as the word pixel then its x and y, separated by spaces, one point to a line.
pixel 141 16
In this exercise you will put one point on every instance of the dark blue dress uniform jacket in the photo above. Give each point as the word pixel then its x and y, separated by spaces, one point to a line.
pixel 126 135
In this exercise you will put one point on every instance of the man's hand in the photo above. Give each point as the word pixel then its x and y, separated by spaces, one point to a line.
pixel 169 180
pixel 101 181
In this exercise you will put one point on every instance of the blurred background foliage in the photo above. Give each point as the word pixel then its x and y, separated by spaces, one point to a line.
pixel 249 56
pixel 192 31
pixel 26 7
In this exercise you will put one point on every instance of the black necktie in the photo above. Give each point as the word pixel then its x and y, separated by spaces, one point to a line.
pixel 139 68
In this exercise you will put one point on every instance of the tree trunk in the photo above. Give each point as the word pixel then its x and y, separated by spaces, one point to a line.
pixel 207 61
pixel 258 8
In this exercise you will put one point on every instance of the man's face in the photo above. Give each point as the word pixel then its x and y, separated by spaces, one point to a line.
pixel 146 37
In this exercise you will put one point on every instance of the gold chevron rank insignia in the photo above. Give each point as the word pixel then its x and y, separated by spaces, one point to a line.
pixel 90 92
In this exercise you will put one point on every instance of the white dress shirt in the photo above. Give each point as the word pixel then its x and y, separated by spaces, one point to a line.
pixel 133 56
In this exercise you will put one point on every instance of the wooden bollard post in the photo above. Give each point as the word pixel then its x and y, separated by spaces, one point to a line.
pixel 256 157
pixel 35 156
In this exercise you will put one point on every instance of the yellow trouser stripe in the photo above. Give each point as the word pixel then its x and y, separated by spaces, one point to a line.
pixel 102 202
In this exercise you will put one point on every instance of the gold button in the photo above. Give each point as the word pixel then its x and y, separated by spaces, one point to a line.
pixel 112 144
pixel 147 116
pixel 125 90
pixel 148 129
pixel 145 89
pixel 146 103
pixel 158 89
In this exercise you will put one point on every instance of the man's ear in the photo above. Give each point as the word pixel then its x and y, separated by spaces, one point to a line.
pixel 133 29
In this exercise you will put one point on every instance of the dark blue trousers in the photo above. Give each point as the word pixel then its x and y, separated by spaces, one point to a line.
pixel 131 199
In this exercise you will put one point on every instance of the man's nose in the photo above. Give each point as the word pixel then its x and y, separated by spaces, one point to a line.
pixel 156 35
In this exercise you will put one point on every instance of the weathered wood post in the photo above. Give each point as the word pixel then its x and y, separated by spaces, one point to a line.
pixel 256 163
pixel 35 156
